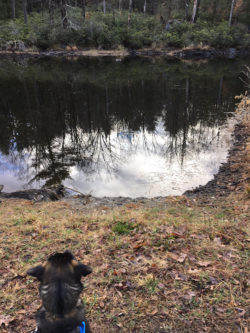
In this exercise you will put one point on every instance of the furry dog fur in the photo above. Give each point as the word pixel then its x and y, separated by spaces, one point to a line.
pixel 62 310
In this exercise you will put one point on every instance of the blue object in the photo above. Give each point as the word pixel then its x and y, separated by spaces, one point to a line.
pixel 83 327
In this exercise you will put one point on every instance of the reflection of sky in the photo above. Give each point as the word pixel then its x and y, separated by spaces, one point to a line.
pixel 143 164
pixel 15 171
pixel 146 168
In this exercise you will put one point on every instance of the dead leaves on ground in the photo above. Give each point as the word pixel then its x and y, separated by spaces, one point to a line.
pixel 166 269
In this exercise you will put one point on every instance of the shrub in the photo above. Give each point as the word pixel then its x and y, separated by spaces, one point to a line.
pixel 111 30
pixel 174 39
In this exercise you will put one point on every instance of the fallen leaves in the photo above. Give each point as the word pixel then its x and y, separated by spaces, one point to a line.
pixel 178 257
pixel 153 313
pixel 139 245
pixel 204 263
pixel 172 267
pixel 5 320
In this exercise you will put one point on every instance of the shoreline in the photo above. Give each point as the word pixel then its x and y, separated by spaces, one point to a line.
pixel 188 53
pixel 232 176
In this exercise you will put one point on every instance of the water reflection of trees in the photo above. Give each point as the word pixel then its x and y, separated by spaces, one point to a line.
pixel 66 120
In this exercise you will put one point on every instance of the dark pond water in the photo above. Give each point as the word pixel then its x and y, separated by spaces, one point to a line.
pixel 112 127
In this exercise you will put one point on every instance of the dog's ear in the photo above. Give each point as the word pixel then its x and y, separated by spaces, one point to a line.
pixel 36 272
pixel 83 270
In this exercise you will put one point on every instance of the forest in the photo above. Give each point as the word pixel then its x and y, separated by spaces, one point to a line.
pixel 130 24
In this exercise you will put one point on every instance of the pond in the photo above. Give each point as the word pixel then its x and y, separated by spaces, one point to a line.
pixel 115 127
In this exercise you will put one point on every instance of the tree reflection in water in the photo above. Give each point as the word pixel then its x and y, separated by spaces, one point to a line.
pixel 59 118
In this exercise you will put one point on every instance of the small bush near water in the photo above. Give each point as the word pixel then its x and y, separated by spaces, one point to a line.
pixel 111 31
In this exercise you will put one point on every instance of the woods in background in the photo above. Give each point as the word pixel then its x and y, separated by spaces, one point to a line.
pixel 167 9
pixel 130 23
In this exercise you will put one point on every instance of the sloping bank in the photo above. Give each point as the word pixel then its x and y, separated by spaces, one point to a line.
pixel 234 175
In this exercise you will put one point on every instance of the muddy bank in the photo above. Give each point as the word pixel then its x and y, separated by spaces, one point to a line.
pixel 44 194
pixel 234 175
pixel 230 53
pixel 78 200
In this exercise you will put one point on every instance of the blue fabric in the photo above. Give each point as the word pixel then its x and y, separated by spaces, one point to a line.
pixel 82 327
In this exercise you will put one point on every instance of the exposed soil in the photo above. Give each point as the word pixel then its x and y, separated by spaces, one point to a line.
pixel 235 173
pixel 146 52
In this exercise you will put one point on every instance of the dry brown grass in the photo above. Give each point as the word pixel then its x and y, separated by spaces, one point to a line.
pixel 177 268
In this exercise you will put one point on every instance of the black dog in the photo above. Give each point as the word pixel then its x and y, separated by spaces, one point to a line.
pixel 62 310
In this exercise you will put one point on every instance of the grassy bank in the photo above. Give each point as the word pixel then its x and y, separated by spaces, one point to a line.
pixel 111 31
pixel 181 266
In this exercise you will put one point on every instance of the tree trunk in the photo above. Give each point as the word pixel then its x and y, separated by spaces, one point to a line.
pixel 195 10
pixel 130 11
pixel 120 5
pixel 186 9
pixel 104 7
pixel 145 8
pixel 29 6
pixel 51 12
pixel 25 11
pixel 169 9
pixel 231 13
pixel 214 8
pixel 64 15
pixel 13 8
pixel 83 9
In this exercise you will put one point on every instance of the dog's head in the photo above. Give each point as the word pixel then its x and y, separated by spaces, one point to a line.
pixel 60 279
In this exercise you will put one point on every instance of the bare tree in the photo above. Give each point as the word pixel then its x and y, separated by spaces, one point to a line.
pixel 83 9
pixel 186 9
pixel 130 11
pixel 25 11
pixel 13 8
pixel 120 5
pixel 51 12
pixel 195 10
pixel 169 9
pixel 214 7
pixel 231 13
pixel 64 15
pixel 104 7
pixel 145 7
